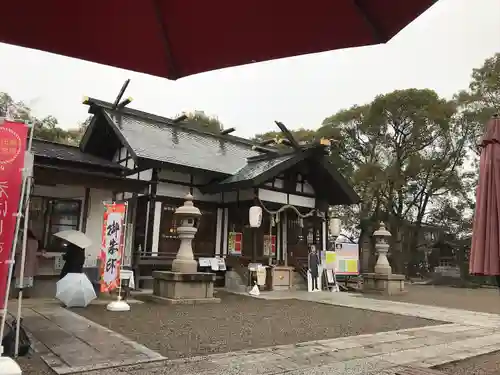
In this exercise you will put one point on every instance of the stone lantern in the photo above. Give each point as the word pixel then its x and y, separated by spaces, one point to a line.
pixel 188 216
pixel 184 284
pixel 383 280
pixel 382 235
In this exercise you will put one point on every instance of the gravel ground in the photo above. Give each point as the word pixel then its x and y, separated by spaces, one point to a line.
pixel 482 299
pixel 33 365
pixel 241 322
pixel 488 364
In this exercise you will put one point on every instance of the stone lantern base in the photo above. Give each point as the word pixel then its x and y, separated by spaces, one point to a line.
pixel 391 284
pixel 183 288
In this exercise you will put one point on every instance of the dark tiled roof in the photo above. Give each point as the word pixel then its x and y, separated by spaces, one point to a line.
pixel 255 168
pixel 170 143
pixel 59 151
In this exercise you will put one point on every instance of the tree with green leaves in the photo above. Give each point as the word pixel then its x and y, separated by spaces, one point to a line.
pixel 201 121
pixel 46 128
pixel 481 100
pixel 401 152
pixel 301 135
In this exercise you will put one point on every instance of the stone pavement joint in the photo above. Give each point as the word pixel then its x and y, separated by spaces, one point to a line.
pixel 70 343
pixel 465 335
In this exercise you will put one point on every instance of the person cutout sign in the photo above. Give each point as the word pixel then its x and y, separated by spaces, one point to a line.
pixel 313 264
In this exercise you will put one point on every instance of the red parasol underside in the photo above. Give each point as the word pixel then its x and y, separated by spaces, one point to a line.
pixel 485 250
pixel 177 38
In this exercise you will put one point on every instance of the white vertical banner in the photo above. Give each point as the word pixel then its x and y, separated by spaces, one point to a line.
pixel 113 238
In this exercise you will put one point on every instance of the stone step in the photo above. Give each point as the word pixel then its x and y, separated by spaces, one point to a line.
pixel 410 370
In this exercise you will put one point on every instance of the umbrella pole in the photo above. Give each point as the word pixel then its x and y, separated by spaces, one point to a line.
pixel 28 170
pixel 14 242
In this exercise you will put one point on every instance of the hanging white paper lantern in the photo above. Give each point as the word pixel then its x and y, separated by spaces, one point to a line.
pixel 255 216
pixel 335 227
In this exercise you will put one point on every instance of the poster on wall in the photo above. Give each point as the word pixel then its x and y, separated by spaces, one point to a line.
pixel 12 150
pixel 235 243
pixel 344 260
pixel 113 238
pixel 269 246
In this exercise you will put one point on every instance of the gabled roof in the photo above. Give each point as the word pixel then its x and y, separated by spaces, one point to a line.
pixel 62 152
pixel 162 140
pixel 159 141
pixel 257 171
pixel 327 182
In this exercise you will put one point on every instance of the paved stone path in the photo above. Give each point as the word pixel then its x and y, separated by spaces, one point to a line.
pixel 468 334
pixel 69 343
pixel 357 301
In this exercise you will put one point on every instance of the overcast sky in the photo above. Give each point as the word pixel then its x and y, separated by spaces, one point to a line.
pixel 438 51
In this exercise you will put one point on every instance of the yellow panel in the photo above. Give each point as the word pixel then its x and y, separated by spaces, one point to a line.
pixel 352 265
pixel 330 257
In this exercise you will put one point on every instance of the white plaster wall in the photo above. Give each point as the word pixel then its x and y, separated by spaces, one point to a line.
pixel 144 175
pixel 179 191
pixel 308 188
pixel 300 201
pixel 172 190
pixel 94 223
pixel 244 195
pixel 174 176
pixel 218 233
pixel 156 228
pixel 272 196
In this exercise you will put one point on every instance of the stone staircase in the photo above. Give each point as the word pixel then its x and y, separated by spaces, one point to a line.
pixel 299 282
pixel 235 283
pixel 236 278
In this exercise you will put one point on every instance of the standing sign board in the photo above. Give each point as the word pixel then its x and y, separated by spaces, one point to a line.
pixel 13 137
pixel 113 236
pixel 344 260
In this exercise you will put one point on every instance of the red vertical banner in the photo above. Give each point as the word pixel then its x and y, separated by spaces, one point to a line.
pixel 113 241
pixel 269 245
pixel 12 147
pixel 235 243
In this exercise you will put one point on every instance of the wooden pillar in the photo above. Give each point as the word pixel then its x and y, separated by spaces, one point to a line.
pixel 285 238
pixel 151 211
pixel 85 209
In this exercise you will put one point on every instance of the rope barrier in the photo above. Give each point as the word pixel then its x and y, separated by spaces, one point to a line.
pixel 286 206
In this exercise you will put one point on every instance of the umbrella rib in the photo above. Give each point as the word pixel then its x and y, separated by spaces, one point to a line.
pixel 377 32
pixel 172 71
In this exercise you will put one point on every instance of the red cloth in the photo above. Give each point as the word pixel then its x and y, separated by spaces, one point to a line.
pixel 12 150
pixel 485 250
pixel 177 38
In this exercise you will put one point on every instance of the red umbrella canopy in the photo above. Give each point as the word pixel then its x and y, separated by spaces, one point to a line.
pixel 485 250
pixel 177 38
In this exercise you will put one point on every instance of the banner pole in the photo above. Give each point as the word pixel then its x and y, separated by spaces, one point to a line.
pixel 28 172
pixel 122 252
pixel 119 304
pixel 14 245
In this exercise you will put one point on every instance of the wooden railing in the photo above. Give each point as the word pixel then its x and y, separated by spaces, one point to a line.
pixel 240 266
pixel 300 265
pixel 144 261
